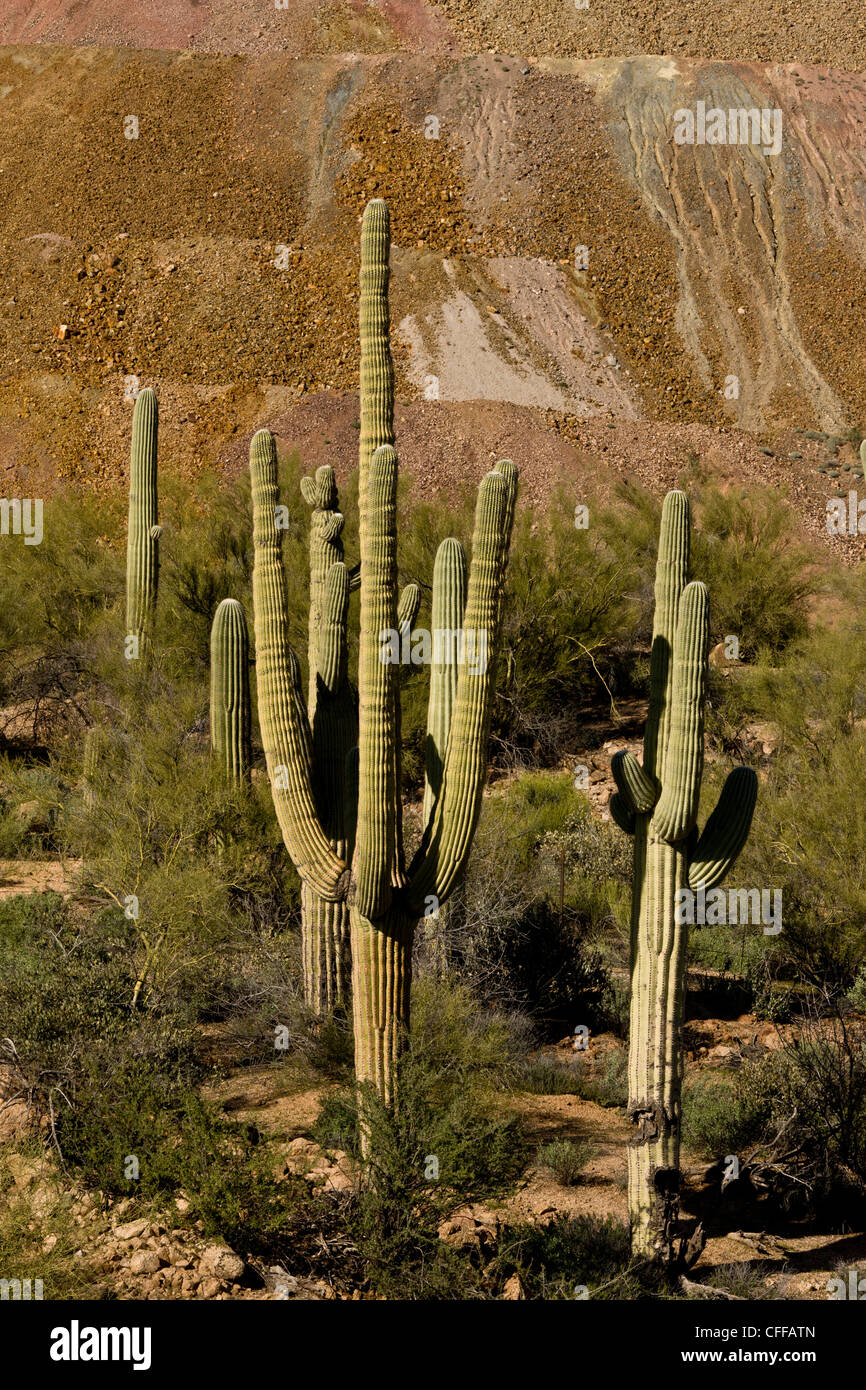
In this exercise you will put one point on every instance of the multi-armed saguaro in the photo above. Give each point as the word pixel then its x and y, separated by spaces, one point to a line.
pixel 142 544
pixel 385 899
pixel 230 689
pixel 658 804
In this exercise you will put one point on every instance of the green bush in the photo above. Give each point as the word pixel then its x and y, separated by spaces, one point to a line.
pixel 565 1159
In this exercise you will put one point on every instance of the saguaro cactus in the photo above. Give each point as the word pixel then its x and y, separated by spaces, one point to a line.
pixel 385 898
pixel 657 803
pixel 142 545
pixel 230 689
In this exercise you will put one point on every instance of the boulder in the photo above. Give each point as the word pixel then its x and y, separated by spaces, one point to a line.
pixel 220 1262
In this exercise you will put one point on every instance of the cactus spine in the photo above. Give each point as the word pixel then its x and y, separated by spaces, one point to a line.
pixel 230 689
pixel 658 804
pixel 385 898
pixel 142 545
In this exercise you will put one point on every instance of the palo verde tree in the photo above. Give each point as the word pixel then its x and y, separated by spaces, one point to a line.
pixel 384 896
pixel 657 803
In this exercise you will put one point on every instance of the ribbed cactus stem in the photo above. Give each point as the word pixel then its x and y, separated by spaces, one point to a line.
pixel 142 544
pixel 658 804
pixel 377 370
pixel 285 731
pixel 325 927
pixel 449 601
pixel 444 849
pixel 326 549
pixel 230 689
pixel 377 691
pixel 95 747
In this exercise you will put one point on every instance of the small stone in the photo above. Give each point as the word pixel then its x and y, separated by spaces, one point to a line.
pixel 145 1262
pixel 131 1229
pixel 222 1263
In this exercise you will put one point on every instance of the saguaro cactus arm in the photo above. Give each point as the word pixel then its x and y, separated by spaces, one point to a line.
pixel 142 545
pixel 445 846
pixel 726 830
pixel 333 647
pixel 230 688
pixel 637 791
pixel 449 601
pixel 326 550
pixel 285 731
pixel 677 809
pixel 622 814
pixel 407 608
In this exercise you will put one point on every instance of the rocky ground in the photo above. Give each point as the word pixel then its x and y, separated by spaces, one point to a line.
pixel 128 1251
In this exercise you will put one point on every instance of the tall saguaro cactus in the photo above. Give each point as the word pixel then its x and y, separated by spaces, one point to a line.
pixel 142 545
pixel 657 803
pixel 230 689
pixel 385 897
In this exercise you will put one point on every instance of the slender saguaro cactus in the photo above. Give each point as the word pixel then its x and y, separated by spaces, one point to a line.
pixel 230 689
pixel 142 545
pixel 385 898
pixel 657 803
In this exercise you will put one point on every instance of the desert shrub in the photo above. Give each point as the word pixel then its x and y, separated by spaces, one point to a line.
pixel 541 1076
pixel 721 1116
pixel 568 608
pixel 799 1116
pixel 565 1159
pixel 504 931
pixel 570 1257
pixel 800 842
pixel 604 1082
pixel 448 1141
pixel 744 1280
pixel 856 997
pixel 759 578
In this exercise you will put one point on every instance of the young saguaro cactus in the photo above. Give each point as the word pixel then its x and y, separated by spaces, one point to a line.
pixel 142 545
pixel 385 898
pixel 657 803
pixel 230 689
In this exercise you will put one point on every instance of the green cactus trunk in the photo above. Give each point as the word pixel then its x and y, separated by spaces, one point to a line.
pixel 357 863
pixel 142 546
pixel 658 803
pixel 382 976
pixel 230 689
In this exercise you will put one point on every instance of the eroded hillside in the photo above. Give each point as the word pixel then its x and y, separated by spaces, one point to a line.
pixel 563 270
